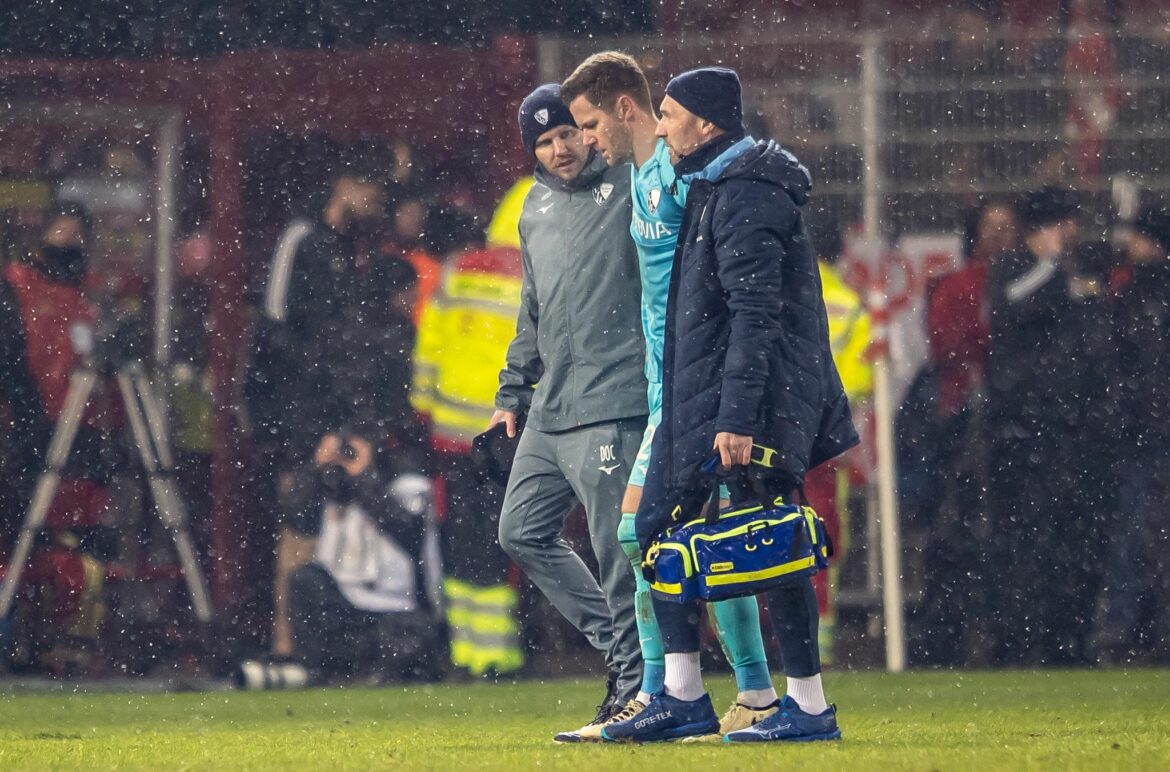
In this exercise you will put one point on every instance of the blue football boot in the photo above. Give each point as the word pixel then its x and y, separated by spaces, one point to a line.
pixel 665 718
pixel 790 724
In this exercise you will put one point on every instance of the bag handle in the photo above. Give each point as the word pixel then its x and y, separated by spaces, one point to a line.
pixel 737 480
pixel 765 457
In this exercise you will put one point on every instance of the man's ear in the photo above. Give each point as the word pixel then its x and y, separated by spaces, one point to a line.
pixel 624 108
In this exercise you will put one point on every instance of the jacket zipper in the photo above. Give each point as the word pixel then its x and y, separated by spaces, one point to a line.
pixel 572 263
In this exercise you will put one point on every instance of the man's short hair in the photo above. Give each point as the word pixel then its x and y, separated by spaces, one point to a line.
pixel 604 77
pixel 1047 206
pixel 72 210
pixel 365 161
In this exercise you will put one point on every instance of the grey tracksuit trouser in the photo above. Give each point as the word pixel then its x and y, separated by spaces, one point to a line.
pixel 590 464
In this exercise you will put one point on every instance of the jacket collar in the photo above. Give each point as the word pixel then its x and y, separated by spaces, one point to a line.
pixel 709 161
pixel 594 167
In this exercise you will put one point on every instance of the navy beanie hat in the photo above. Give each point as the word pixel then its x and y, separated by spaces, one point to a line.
pixel 712 93
pixel 540 111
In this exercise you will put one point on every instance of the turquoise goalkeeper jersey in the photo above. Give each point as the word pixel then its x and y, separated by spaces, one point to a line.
pixel 658 211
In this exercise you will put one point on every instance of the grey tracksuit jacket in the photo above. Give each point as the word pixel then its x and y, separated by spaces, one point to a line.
pixel 579 333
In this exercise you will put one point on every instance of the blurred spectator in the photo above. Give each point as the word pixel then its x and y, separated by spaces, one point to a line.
pixel 1132 613
pixel 827 486
pixel 46 327
pixel 957 329
pixel 408 240
pixel 1035 538
pixel 465 332
pixel 191 380
pixel 409 174
pixel 1086 410
pixel 332 359
pixel 956 315
pixel 364 604
pixel 410 216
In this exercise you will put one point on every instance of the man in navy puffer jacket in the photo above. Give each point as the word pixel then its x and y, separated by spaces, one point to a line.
pixel 749 375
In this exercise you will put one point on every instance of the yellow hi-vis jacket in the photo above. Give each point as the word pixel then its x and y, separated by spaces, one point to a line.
pixel 463 337
pixel 849 334
pixel 504 229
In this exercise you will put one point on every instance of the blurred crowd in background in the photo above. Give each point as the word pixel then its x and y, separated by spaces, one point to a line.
pixel 383 285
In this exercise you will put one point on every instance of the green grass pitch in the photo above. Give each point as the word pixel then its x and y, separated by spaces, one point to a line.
pixel 1066 720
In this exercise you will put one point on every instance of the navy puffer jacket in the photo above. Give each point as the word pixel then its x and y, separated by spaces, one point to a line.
pixel 747 336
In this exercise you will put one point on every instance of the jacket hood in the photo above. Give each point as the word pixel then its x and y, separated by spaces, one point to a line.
pixel 594 167
pixel 768 162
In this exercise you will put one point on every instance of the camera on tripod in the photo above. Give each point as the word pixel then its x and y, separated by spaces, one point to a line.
pixel 113 348
pixel 120 337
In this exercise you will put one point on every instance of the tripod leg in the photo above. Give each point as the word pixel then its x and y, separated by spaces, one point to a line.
pixel 174 515
pixel 155 419
pixel 80 387
pixel 145 422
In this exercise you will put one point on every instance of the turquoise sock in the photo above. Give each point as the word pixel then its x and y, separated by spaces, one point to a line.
pixel 753 676
pixel 653 677
pixel 737 624
pixel 653 658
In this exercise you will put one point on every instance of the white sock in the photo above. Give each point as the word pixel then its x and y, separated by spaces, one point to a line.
pixel 684 680
pixel 758 698
pixel 643 697
pixel 809 694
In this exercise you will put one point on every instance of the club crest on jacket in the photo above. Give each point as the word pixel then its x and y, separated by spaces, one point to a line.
pixel 601 192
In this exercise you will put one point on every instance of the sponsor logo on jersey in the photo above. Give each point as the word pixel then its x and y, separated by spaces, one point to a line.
pixel 651 231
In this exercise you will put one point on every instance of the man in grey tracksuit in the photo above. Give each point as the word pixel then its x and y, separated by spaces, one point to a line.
pixel 575 368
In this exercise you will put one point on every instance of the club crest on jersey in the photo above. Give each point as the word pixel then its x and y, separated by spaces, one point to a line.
pixel 602 192
pixel 541 116
pixel 653 199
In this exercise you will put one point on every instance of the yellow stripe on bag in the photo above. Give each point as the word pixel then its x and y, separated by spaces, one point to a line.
pixel 811 517
pixel 669 589
pixel 767 573
pixel 688 570
pixel 725 515
pixel 742 529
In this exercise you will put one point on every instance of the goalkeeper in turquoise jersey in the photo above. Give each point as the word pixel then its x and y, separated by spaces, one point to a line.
pixel 610 99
